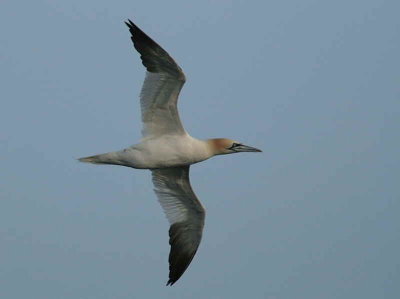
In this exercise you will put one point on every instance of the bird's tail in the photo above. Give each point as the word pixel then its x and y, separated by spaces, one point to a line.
pixel 92 159
pixel 108 158
pixel 122 158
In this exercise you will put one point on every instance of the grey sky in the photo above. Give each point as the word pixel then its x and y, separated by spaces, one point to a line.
pixel 315 84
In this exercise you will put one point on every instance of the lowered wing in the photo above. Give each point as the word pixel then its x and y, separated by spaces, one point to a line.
pixel 185 215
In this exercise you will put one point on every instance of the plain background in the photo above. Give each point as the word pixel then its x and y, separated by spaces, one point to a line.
pixel 315 84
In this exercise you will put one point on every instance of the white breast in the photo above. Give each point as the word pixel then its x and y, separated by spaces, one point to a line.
pixel 168 151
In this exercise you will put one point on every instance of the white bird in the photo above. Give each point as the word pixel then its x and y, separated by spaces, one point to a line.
pixel 168 151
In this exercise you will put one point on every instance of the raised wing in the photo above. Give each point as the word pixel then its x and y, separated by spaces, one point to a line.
pixel 185 214
pixel 161 87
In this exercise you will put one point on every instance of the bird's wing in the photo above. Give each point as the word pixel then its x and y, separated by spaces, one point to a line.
pixel 185 214
pixel 161 87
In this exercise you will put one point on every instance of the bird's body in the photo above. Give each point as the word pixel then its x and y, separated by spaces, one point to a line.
pixel 159 152
pixel 168 151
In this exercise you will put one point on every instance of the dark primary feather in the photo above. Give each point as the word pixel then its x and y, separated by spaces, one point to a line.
pixel 154 58
pixel 181 254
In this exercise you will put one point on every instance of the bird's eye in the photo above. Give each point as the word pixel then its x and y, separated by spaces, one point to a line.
pixel 234 145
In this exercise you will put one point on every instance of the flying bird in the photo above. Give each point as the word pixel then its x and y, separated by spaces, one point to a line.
pixel 167 150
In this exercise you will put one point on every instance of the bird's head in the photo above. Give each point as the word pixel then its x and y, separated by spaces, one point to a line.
pixel 223 146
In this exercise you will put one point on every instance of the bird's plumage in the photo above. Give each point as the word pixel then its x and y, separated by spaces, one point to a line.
pixel 161 87
pixel 185 215
pixel 168 151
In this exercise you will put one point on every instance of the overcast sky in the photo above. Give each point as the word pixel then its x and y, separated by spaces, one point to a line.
pixel 314 84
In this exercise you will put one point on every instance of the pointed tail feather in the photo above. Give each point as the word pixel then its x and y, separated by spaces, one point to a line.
pixel 97 159
pixel 124 157
pixel 113 158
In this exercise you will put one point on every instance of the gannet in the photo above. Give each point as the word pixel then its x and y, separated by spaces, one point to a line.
pixel 167 150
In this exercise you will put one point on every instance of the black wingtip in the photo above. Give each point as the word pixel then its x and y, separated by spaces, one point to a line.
pixel 136 31
pixel 130 24
pixel 170 282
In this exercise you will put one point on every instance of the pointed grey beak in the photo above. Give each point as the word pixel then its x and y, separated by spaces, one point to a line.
pixel 245 148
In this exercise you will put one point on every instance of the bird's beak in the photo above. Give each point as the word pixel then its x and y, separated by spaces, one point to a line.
pixel 245 148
